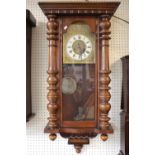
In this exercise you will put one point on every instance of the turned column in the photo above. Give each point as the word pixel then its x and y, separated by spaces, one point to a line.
pixel 104 79
pixel 52 96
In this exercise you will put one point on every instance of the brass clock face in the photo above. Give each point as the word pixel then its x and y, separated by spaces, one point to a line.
pixel 79 45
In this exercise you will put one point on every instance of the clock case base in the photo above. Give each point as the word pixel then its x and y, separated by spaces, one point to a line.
pixel 78 136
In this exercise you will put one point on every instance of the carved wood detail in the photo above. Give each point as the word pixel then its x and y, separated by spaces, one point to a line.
pixel 104 137
pixel 78 142
pixel 52 96
pixel 94 13
pixel 64 8
pixel 104 79
pixel 52 136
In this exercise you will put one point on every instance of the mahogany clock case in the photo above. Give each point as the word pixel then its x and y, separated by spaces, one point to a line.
pixel 78 92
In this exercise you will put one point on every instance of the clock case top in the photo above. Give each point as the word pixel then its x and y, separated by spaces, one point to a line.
pixel 88 11
pixel 77 8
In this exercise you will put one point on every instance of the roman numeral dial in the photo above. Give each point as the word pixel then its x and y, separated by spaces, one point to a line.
pixel 79 47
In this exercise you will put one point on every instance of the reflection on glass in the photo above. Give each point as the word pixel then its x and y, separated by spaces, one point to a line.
pixel 78 92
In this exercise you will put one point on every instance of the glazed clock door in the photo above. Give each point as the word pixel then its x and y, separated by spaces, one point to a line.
pixel 79 74
pixel 78 70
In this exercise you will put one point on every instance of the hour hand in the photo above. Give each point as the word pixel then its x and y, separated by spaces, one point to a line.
pixel 80 56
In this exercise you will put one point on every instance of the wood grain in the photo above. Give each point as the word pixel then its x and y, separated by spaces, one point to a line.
pixel 97 15
pixel 52 96
pixel 104 79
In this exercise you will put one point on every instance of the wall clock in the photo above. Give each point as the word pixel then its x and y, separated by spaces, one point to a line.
pixel 78 70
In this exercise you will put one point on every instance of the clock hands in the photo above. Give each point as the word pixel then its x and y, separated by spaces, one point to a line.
pixel 80 50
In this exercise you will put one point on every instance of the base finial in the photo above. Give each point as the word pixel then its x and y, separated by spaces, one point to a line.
pixel 104 137
pixel 78 148
pixel 52 137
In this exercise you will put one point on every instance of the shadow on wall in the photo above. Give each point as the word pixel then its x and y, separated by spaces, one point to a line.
pixel 39 68
pixel 40 38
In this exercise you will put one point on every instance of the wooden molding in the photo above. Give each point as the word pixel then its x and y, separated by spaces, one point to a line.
pixel 97 15
pixel 65 8
pixel 78 142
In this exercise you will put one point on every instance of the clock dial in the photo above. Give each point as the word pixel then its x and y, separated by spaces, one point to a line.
pixel 79 47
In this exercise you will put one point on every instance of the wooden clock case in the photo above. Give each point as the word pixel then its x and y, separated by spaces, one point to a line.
pixel 97 15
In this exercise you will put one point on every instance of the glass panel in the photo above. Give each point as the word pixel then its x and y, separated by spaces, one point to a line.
pixel 78 73
pixel 78 87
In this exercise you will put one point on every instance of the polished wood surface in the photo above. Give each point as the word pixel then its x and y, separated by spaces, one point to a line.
pixel 104 79
pixel 30 23
pixel 52 96
pixel 78 142
pixel 78 131
pixel 79 8
pixel 97 16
